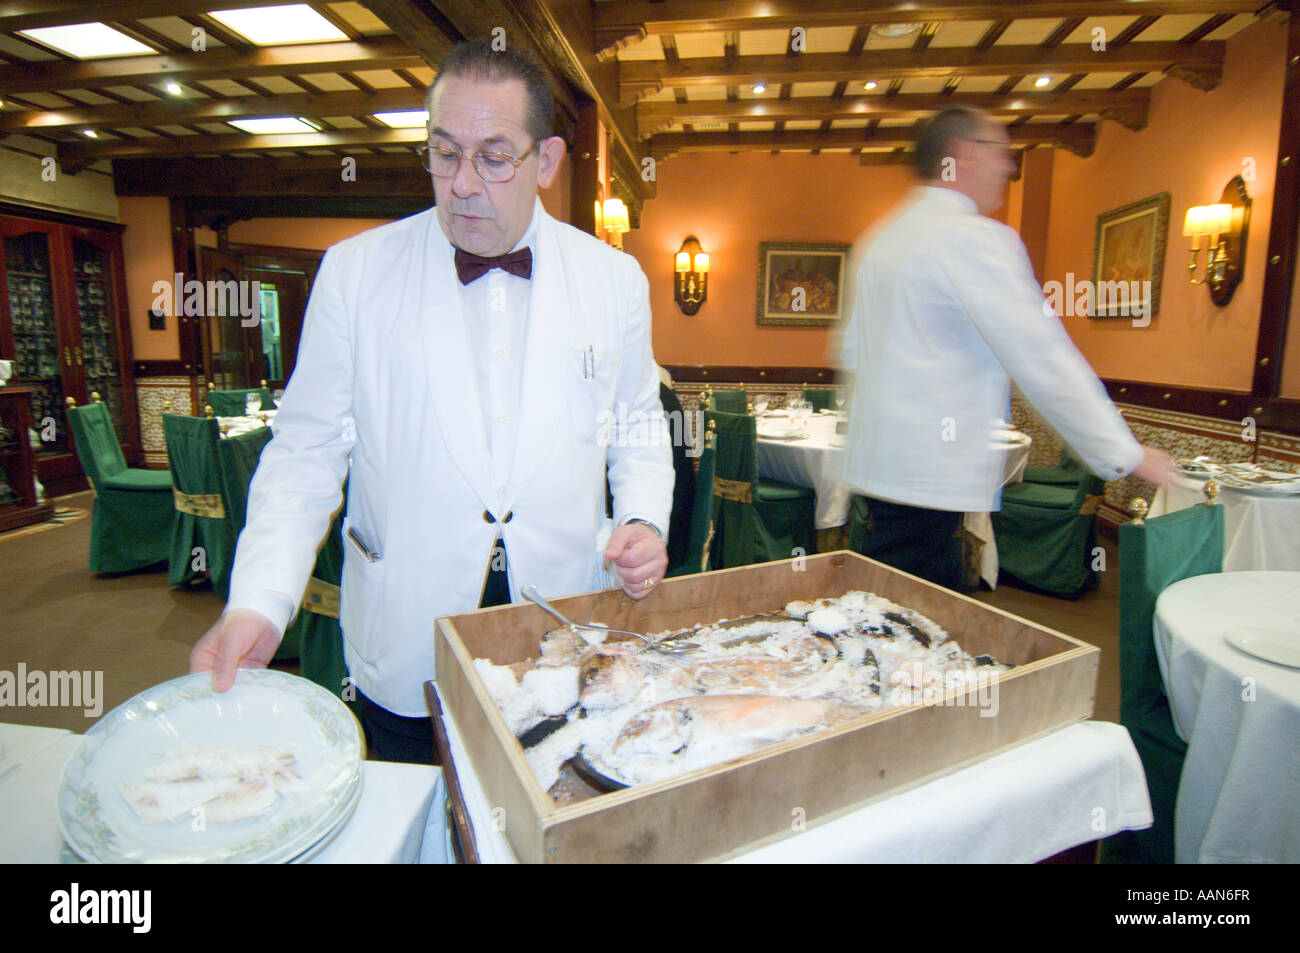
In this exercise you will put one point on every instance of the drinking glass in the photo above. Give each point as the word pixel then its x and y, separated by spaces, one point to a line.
pixel 277 395
pixel 760 404
pixel 252 403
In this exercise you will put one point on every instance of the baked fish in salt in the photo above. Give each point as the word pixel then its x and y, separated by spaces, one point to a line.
pixel 229 784
pixel 248 798
pixel 205 762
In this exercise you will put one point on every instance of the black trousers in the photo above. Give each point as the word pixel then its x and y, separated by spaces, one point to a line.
pixel 923 542
pixel 396 738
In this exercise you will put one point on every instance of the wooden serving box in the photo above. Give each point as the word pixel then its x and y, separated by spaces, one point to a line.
pixel 728 809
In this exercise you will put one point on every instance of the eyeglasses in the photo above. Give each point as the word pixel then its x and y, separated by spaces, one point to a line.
pixel 1003 146
pixel 494 167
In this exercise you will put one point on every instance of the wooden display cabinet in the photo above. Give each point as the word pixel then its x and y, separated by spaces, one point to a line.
pixel 63 320
pixel 18 501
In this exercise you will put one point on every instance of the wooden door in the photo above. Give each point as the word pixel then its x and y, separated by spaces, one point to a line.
pixel 229 338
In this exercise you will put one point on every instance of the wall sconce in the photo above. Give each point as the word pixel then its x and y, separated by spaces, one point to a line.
pixel 1224 224
pixel 691 267
pixel 616 222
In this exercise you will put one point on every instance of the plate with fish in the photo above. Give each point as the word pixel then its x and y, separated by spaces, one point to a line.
pixel 181 774
pixel 1257 479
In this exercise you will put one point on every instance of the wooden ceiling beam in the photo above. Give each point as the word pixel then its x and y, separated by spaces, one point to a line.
pixel 640 78
pixel 168 111
pixel 652 17
pixel 381 53
pixel 77 155
pixel 1129 107
pixel 1079 138
pixel 33 14
pixel 313 175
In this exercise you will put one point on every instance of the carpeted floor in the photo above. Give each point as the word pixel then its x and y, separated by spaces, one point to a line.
pixel 58 616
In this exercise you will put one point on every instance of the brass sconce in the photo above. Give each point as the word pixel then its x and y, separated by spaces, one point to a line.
pixel 691 270
pixel 1225 225
pixel 615 221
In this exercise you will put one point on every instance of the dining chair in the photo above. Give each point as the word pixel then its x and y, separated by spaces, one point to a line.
pixel 1153 555
pixel 232 403
pixel 192 449
pixel 132 519
pixel 755 519
pixel 238 457
pixel 700 531
pixel 821 398
pixel 1046 534
pixel 316 630
pixel 1069 471
pixel 728 401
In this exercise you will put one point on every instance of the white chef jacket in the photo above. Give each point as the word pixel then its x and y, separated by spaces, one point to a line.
pixel 946 306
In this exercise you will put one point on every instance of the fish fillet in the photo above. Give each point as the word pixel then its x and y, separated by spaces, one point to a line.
pixel 156 802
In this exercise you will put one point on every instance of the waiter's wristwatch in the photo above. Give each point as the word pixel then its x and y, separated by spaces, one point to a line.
pixel 652 526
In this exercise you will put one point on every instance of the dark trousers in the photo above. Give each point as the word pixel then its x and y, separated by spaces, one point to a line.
pixel 923 542
pixel 397 738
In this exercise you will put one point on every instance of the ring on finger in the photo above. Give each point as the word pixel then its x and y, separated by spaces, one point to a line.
pixel 647 584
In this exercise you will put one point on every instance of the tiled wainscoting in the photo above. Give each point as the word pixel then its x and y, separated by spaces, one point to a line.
pixel 152 396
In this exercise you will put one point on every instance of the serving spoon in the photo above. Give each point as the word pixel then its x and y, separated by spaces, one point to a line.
pixel 676 648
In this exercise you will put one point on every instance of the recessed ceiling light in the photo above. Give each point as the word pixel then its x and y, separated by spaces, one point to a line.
pixel 90 133
pixel 267 26
pixel 88 40
pixel 173 88
pixel 893 31
pixel 760 88
pixel 411 119
pixel 271 126
pixel 1042 81
pixel 870 84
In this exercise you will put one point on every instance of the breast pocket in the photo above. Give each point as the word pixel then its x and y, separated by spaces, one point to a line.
pixel 593 385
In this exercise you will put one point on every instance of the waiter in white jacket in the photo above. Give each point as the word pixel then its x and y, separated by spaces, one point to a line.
pixel 946 311
pixel 472 370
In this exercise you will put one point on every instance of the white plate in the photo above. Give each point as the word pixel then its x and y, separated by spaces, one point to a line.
pixel 782 434
pixel 1271 645
pixel 1232 480
pixel 264 707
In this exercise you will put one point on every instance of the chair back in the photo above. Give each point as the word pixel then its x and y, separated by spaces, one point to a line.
pixel 736 440
pixel 821 398
pixel 96 442
pixel 238 457
pixel 1153 555
pixel 197 489
pixel 728 401
pixel 698 555
pixel 231 403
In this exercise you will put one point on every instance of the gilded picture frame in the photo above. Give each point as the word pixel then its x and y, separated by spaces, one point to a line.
pixel 1128 258
pixel 801 284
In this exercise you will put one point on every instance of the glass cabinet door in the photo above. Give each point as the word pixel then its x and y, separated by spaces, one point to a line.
pixel 96 307
pixel 30 287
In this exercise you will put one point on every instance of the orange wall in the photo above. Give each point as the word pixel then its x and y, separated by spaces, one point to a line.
pixel 312 233
pixel 731 203
pixel 147 256
pixel 1194 143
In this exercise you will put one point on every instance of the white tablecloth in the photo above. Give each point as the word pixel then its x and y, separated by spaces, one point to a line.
pixel 1073 786
pixel 388 826
pixel 1239 797
pixel 817 461
pixel 1260 532
pixel 234 426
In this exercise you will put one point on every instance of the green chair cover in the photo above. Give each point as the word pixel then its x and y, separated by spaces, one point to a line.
pixel 1068 472
pixel 316 629
pixel 230 403
pixel 698 549
pixel 1046 534
pixel 192 450
pixel 238 457
pixel 821 398
pixel 1153 556
pixel 132 520
pixel 728 401
pixel 756 520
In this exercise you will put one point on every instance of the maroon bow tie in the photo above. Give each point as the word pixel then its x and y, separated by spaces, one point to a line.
pixel 472 267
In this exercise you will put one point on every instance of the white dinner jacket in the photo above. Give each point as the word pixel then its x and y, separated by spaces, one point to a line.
pixel 946 306
pixel 384 391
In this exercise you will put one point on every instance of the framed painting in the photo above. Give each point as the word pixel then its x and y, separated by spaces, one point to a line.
pixel 801 284
pixel 1128 259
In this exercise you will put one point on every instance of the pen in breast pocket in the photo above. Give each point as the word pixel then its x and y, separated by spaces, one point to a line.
pixel 370 554
pixel 591 360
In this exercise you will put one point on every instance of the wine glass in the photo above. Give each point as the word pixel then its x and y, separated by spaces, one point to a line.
pixel 277 395
pixel 838 398
pixel 252 403
pixel 760 404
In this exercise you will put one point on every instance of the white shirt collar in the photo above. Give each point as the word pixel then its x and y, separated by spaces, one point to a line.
pixel 955 199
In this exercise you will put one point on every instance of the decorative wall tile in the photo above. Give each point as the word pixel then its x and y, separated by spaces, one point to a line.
pixel 151 394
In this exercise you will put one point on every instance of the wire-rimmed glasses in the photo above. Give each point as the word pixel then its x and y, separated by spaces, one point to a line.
pixel 496 167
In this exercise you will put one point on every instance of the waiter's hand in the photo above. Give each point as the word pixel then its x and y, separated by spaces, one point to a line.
pixel 639 556
pixel 1156 467
pixel 241 638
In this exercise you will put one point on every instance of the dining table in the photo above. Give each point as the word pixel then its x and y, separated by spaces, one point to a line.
pixel 388 825
pixel 1030 802
pixel 1228 646
pixel 813 456
pixel 1261 530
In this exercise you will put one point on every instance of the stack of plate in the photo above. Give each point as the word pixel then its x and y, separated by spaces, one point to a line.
pixel 264 708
